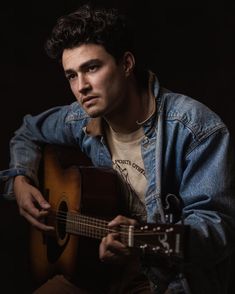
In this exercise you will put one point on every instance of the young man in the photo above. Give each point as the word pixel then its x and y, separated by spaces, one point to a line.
pixel 168 147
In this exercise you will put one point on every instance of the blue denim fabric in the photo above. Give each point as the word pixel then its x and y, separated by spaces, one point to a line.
pixel 186 151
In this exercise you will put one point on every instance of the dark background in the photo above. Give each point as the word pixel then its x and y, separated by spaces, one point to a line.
pixel 189 44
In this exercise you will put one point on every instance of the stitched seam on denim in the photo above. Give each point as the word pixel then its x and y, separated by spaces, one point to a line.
pixel 193 146
pixel 75 117
pixel 150 198
pixel 198 136
pixel 75 113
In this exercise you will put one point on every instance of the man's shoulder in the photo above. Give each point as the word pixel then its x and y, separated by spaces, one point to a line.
pixel 190 112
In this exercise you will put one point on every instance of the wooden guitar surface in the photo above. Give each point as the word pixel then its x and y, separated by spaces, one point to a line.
pixel 83 198
pixel 70 188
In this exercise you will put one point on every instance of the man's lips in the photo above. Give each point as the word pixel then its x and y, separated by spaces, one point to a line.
pixel 88 100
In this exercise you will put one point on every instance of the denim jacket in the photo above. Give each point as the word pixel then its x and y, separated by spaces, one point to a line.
pixel 186 152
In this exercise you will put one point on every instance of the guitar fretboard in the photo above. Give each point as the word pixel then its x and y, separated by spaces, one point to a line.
pixel 79 224
pixel 162 239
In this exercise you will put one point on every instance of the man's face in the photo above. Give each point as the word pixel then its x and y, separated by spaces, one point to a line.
pixel 96 80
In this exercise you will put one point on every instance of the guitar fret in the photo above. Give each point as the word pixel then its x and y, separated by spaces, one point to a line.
pixel 86 226
pixel 92 227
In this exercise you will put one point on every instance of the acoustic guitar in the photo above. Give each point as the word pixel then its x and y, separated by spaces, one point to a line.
pixel 83 199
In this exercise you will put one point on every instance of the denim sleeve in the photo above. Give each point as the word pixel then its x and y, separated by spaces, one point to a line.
pixel 49 127
pixel 207 190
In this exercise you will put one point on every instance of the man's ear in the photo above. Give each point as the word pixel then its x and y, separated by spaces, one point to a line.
pixel 128 63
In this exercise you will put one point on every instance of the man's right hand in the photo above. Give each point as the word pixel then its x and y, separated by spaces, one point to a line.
pixel 31 203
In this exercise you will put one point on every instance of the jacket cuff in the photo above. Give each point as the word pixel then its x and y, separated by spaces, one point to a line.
pixel 7 178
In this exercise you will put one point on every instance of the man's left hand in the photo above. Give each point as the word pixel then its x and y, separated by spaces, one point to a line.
pixel 111 249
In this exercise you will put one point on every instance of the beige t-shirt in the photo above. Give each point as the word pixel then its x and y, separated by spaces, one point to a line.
pixel 127 159
pixel 126 150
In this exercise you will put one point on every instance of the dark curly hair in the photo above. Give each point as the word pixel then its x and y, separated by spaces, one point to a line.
pixel 102 26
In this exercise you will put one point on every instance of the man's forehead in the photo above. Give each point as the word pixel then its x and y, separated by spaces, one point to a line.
pixel 82 54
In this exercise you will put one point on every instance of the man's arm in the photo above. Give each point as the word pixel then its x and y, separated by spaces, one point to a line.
pixel 48 127
pixel 207 190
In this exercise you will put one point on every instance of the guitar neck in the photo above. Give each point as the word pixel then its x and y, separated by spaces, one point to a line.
pixel 164 239
pixel 87 226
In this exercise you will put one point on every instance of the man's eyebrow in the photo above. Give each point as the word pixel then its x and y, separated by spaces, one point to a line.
pixel 83 66
pixel 68 71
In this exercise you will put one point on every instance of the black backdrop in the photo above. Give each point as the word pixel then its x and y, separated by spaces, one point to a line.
pixel 189 44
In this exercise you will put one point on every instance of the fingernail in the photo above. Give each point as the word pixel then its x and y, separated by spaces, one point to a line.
pixel 45 205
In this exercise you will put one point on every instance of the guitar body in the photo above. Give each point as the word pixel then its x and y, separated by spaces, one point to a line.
pixel 69 188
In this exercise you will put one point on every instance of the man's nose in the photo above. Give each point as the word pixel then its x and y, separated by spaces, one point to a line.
pixel 83 85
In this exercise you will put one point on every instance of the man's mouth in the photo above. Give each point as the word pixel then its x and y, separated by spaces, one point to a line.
pixel 88 100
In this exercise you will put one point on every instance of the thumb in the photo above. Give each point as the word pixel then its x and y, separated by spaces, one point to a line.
pixel 40 199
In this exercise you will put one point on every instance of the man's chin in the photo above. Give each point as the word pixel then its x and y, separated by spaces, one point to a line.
pixel 94 114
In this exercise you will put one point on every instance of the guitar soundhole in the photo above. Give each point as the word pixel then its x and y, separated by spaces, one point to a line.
pixel 56 246
pixel 61 220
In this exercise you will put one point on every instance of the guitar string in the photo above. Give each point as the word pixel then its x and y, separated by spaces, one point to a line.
pixel 88 227
pixel 75 214
pixel 124 234
pixel 65 215
pixel 93 223
pixel 84 223
pixel 94 220
pixel 83 220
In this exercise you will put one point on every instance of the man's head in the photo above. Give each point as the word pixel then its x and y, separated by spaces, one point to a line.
pixel 99 83
pixel 96 49
pixel 87 25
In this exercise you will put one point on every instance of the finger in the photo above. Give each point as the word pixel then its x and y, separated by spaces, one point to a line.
pixel 40 199
pixel 112 238
pixel 102 248
pixel 30 208
pixel 112 251
pixel 106 243
pixel 109 257
pixel 118 249
pixel 104 253
pixel 36 223
pixel 121 220
pixel 111 243
pixel 36 205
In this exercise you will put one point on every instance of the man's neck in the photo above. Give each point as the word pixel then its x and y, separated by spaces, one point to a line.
pixel 138 107
pixel 135 109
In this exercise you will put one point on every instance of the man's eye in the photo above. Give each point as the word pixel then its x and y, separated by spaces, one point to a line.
pixel 92 68
pixel 70 77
